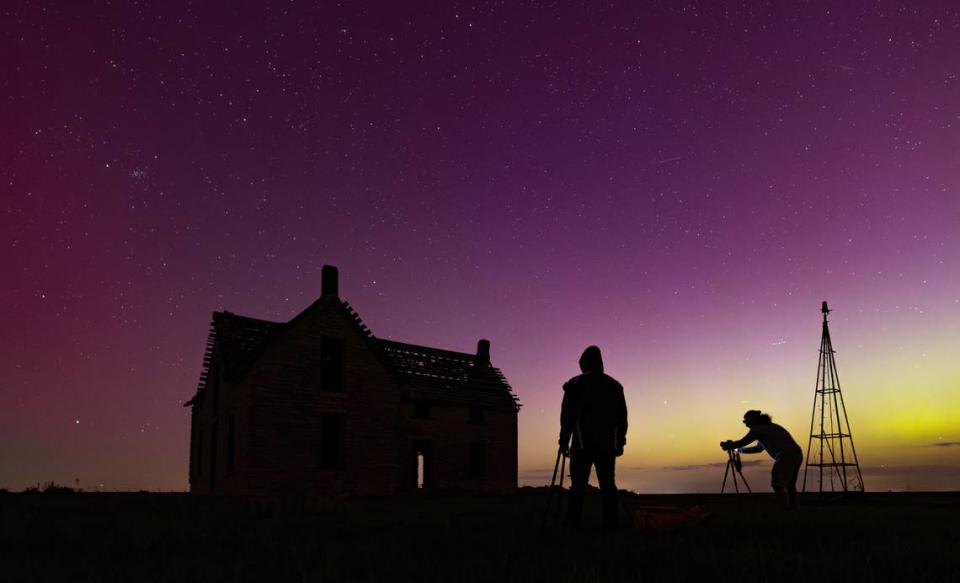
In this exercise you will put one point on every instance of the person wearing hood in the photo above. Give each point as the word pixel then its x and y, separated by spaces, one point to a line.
pixel 594 416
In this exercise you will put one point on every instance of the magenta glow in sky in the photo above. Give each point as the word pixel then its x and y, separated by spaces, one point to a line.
pixel 681 185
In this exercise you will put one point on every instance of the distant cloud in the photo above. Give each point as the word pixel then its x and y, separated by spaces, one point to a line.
pixel 945 443
pixel 919 470
pixel 685 468
pixel 538 472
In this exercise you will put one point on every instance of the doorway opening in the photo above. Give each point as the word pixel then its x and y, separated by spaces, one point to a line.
pixel 419 470
pixel 420 466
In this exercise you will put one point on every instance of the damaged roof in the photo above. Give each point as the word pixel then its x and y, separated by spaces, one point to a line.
pixel 423 373
pixel 445 376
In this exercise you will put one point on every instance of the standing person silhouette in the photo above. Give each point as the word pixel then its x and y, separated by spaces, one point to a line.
pixel 594 414
pixel 777 441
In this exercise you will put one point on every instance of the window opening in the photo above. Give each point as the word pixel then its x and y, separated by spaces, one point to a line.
pixel 331 363
pixel 198 463
pixel 213 456
pixel 230 444
pixel 331 440
pixel 422 410
pixel 476 460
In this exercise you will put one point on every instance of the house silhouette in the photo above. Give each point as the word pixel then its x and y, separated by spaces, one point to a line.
pixel 318 405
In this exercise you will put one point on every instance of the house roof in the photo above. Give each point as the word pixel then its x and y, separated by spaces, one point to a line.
pixel 445 376
pixel 239 341
pixel 424 373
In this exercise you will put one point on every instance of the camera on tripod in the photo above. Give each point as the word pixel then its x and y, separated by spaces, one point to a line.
pixel 733 454
pixel 734 464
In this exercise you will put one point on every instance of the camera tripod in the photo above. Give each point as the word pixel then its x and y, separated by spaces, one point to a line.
pixel 554 507
pixel 734 464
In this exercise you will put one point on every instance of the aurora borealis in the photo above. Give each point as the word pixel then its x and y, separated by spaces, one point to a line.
pixel 680 184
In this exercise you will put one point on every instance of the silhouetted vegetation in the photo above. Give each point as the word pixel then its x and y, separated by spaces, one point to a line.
pixel 175 537
pixel 51 488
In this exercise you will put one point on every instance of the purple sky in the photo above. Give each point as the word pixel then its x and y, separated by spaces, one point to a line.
pixel 680 184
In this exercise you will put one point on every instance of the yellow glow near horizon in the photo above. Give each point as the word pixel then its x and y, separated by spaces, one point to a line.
pixel 902 400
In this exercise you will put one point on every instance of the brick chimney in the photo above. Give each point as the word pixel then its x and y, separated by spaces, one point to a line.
pixel 483 352
pixel 329 282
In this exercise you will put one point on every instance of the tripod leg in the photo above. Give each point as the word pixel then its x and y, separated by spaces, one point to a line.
pixel 563 466
pixel 550 492
pixel 725 472
pixel 746 485
pixel 556 464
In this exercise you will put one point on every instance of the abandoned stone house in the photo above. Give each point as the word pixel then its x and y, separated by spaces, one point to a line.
pixel 318 405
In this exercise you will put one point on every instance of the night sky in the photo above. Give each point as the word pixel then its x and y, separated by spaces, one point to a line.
pixel 681 184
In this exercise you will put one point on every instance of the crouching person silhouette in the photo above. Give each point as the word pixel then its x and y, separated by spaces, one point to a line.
pixel 777 441
pixel 594 414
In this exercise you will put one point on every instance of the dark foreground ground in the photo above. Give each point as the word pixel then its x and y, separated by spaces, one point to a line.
pixel 176 537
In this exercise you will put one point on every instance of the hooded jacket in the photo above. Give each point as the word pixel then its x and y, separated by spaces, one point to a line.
pixel 594 411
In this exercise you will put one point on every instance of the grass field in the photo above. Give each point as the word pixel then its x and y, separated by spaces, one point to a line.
pixel 453 537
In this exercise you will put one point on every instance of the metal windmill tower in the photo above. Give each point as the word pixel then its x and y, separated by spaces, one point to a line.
pixel 830 449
